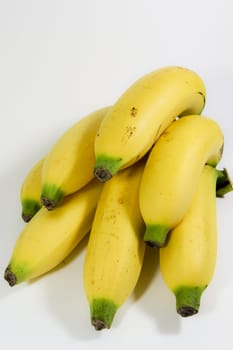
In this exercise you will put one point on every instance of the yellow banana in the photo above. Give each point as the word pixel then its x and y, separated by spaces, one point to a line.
pixel 172 172
pixel 115 249
pixel 187 262
pixel 69 164
pixel 142 113
pixel 30 192
pixel 51 235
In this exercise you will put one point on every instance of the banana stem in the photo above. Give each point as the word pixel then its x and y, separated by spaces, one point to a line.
pixel 156 235
pixel 224 183
pixel 51 196
pixel 29 208
pixel 102 313
pixel 105 167
pixel 188 300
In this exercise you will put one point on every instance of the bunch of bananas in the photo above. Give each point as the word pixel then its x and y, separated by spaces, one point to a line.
pixel 142 171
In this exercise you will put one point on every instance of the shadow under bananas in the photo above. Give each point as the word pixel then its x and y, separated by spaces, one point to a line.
pixel 66 298
pixel 153 297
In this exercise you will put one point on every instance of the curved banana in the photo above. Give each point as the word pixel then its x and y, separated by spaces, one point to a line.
pixel 51 235
pixel 115 249
pixel 30 192
pixel 69 164
pixel 142 113
pixel 172 172
pixel 188 260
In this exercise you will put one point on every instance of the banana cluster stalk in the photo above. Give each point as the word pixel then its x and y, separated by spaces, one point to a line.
pixel 142 113
pixel 187 262
pixel 140 172
pixel 115 249
pixel 30 192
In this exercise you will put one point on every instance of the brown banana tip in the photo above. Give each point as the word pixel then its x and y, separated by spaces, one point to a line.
pixel 48 203
pixel 102 174
pixel 153 244
pixel 26 217
pixel 186 311
pixel 10 277
pixel 99 324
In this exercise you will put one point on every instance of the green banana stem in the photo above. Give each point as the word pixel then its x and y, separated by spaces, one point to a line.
pixel 106 167
pixel 102 313
pixel 188 300
pixel 224 184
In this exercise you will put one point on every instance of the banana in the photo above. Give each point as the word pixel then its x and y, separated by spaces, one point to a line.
pixel 30 192
pixel 142 113
pixel 69 164
pixel 115 249
pixel 51 235
pixel 188 260
pixel 172 172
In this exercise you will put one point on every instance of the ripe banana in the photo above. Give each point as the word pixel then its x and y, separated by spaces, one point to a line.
pixel 172 172
pixel 115 249
pixel 142 113
pixel 51 235
pixel 30 192
pixel 188 260
pixel 69 164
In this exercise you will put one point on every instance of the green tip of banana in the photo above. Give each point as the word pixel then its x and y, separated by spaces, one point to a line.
pixel 156 235
pixel 105 167
pixel 102 313
pixel 188 300
pixel 10 277
pixel 26 217
pixel 51 196
pixel 29 208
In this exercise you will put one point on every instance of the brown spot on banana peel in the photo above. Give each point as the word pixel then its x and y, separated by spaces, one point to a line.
pixel 133 111
pixel 130 130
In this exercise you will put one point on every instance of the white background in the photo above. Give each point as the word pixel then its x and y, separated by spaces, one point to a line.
pixel 60 60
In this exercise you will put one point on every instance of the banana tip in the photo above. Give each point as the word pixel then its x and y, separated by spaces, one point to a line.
pixel 26 217
pixel 186 311
pixel 154 244
pixel 99 324
pixel 48 203
pixel 10 277
pixel 102 174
